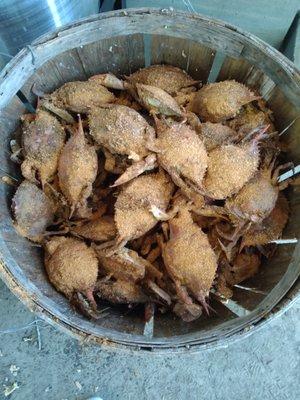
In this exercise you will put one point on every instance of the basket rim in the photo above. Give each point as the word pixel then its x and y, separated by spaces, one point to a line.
pixel 283 303
pixel 66 30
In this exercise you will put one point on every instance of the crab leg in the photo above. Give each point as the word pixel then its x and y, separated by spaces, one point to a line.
pixel 136 169
pixel 159 292
pixel 90 296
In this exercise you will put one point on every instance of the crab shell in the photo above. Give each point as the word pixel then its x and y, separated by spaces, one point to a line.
pixel 157 101
pixel 77 169
pixel 33 211
pixel 217 102
pixel 81 96
pixel 71 265
pixel 42 141
pixel 189 257
pixel 120 129
pixel 255 200
pixel 229 168
pixel 250 118
pixel 133 217
pixel 166 77
pixel 120 292
pixel 215 135
pixel 271 227
pixel 125 265
pixel 180 150
pixel 98 230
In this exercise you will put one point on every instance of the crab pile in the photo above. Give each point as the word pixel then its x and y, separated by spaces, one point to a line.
pixel 152 189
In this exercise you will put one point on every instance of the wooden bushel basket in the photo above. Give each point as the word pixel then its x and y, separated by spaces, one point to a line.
pixel 121 42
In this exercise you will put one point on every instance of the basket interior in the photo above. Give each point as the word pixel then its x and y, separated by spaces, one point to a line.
pixel 123 55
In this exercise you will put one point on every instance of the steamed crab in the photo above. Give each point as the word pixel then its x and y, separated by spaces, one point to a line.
pixel 271 227
pixel 166 77
pixel 122 131
pixel 77 170
pixel 252 117
pixel 251 205
pixel 189 259
pixel 33 211
pixel 42 141
pixel 244 266
pixel 231 166
pixel 72 267
pixel 140 205
pixel 255 201
pixel 179 151
pixel 217 102
pixel 78 97
pixel 128 265
pixel 120 292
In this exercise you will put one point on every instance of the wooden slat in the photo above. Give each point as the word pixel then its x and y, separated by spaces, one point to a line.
pixel 118 55
pixel 234 68
pixel 191 56
pixel 214 35
pixel 242 71
pixel 284 114
pixel 65 67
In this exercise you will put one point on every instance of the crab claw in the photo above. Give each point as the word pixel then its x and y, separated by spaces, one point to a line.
pixel 136 169
pixel 90 296
pixel 61 113
pixel 79 302
pixel 204 304
pixel 108 80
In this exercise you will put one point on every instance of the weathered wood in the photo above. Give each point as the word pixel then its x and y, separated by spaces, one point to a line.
pixel 117 55
pixel 234 68
pixel 217 36
pixel 191 56
pixel 284 114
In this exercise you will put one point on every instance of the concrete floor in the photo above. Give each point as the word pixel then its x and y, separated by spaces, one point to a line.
pixel 265 365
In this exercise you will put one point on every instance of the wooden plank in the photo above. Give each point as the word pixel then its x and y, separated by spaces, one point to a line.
pixel 234 68
pixel 191 56
pixel 120 55
pixel 65 67
pixel 10 116
pixel 242 71
pixel 112 25
pixel 284 113
pixel 117 55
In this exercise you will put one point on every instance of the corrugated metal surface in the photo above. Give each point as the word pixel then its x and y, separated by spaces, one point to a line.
pixel 269 20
